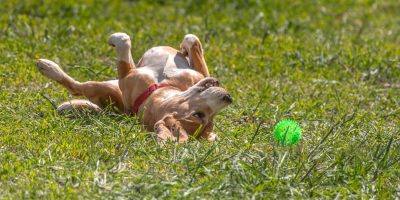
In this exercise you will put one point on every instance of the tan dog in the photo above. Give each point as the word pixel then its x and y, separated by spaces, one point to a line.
pixel 169 90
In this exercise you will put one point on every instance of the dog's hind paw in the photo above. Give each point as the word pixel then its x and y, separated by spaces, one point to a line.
pixel 50 69
pixel 119 40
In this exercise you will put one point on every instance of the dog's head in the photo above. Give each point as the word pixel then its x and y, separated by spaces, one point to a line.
pixel 194 109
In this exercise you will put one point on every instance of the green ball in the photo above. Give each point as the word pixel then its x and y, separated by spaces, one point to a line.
pixel 287 132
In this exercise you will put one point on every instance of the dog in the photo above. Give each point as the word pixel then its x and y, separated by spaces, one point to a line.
pixel 171 91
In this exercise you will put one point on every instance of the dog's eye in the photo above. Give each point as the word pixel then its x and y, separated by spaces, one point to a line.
pixel 199 115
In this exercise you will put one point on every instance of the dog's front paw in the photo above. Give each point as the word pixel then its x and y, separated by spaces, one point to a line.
pixel 50 69
pixel 211 137
pixel 119 40
pixel 188 41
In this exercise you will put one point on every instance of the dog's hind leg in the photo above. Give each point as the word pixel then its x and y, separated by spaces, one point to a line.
pixel 192 47
pixel 52 71
pixel 100 93
pixel 132 82
pixel 122 44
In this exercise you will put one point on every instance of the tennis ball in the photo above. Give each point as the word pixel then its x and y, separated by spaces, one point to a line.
pixel 287 132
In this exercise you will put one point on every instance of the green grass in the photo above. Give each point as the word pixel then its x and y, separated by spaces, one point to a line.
pixel 333 66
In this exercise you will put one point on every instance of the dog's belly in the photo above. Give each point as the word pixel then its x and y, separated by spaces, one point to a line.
pixel 162 62
pixel 113 82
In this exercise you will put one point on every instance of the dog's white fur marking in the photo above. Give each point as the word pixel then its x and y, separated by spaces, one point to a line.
pixel 158 57
pixel 149 72
pixel 114 82
pixel 155 65
pixel 164 63
pixel 122 44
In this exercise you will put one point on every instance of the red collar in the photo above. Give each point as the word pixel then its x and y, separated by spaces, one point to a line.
pixel 140 100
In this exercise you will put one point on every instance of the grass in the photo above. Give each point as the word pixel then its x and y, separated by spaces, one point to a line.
pixel 333 66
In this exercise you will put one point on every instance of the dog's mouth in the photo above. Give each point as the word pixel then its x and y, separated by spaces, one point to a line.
pixel 199 115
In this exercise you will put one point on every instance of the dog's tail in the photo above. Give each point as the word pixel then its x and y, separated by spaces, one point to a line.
pixel 52 71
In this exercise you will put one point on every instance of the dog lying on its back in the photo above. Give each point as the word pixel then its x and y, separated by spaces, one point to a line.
pixel 169 90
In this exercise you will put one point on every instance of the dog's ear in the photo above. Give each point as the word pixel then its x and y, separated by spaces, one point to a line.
pixel 207 83
pixel 169 128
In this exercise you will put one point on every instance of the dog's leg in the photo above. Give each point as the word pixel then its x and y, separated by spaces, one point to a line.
pixel 52 71
pixel 191 46
pixel 78 104
pixel 208 133
pixel 122 44
pixel 99 93
pixel 170 129
pixel 131 82
pixel 103 93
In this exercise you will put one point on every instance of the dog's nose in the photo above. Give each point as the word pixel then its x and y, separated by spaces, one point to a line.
pixel 227 98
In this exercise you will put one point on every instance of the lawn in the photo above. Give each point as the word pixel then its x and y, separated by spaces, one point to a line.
pixel 333 66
